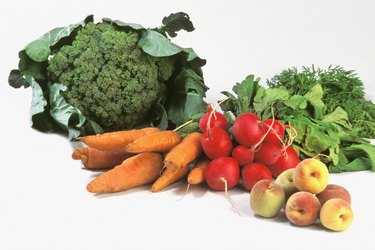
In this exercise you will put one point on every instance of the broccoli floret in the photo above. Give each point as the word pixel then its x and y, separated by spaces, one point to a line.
pixel 108 77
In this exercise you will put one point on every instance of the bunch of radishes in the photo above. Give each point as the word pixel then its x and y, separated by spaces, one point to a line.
pixel 251 150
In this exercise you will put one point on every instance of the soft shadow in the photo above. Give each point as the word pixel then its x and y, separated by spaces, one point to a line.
pixel 122 193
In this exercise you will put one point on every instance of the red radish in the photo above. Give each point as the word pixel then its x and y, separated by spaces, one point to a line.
pixel 276 133
pixel 248 129
pixel 243 155
pixel 222 173
pixel 216 142
pixel 254 172
pixel 269 153
pixel 213 119
pixel 288 160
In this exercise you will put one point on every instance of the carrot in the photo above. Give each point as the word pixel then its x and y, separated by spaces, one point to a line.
pixel 135 171
pixel 161 141
pixel 92 158
pixel 196 175
pixel 116 141
pixel 185 152
pixel 168 177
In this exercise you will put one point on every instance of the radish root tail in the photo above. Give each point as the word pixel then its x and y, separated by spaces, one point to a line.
pixel 233 207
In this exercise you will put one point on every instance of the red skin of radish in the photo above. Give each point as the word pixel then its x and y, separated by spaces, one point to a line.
pixel 216 142
pixel 276 127
pixel 220 169
pixel 243 155
pixel 286 161
pixel 254 172
pixel 247 129
pixel 268 153
pixel 217 120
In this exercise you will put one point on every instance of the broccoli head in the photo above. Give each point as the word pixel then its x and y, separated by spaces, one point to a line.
pixel 108 77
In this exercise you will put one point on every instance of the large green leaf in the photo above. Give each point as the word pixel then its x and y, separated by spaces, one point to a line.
pixel 186 97
pixel 67 116
pixel 155 44
pixel 39 116
pixel 265 98
pixel 314 96
pixel 39 49
pixel 122 24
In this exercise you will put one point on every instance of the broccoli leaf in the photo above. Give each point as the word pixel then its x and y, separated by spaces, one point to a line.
pixel 67 116
pixel 176 22
pixel 39 49
pixel 39 116
pixel 186 97
pixel 122 24
pixel 155 44
pixel 16 79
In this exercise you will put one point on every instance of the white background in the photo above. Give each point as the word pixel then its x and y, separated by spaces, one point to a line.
pixel 43 201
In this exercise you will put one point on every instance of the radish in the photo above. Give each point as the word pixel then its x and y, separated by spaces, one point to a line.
pixel 276 133
pixel 212 119
pixel 287 160
pixel 243 155
pixel 269 153
pixel 248 130
pixel 216 142
pixel 254 172
pixel 222 173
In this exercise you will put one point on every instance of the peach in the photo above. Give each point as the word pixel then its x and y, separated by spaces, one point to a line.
pixel 267 198
pixel 311 175
pixel 334 191
pixel 302 208
pixel 285 180
pixel 336 214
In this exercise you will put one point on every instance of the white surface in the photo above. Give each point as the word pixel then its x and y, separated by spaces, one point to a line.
pixel 43 201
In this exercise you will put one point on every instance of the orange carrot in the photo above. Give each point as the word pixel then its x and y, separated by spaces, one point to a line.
pixel 135 171
pixel 185 152
pixel 116 141
pixel 92 158
pixel 196 175
pixel 168 177
pixel 161 141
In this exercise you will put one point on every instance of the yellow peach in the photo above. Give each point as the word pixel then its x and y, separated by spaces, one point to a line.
pixel 311 175
pixel 336 214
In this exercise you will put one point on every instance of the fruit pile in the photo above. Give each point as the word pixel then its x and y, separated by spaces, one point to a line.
pixel 257 153
pixel 306 197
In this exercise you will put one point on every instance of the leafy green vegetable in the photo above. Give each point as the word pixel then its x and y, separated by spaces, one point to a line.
pixel 340 88
pixel 319 131
pixel 91 77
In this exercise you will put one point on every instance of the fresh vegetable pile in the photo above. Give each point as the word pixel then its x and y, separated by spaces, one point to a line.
pixel 135 101
pixel 90 78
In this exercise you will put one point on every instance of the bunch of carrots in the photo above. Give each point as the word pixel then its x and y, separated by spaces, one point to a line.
pixel 140 157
